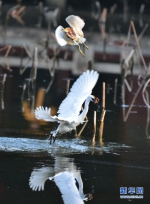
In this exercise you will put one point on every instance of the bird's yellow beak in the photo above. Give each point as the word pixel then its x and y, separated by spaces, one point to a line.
pixel 65 30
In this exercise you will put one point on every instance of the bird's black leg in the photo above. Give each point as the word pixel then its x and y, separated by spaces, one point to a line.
pixel 50 138
pixel 54 138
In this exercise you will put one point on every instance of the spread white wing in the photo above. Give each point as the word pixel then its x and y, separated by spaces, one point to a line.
pixel 61 36
pixel 81 89
pixel 66 184
pixel 39 176
pixel 45 114
pixel 75 22
pixel 70 107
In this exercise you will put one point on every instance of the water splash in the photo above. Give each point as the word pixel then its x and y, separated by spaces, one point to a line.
pixel 9 144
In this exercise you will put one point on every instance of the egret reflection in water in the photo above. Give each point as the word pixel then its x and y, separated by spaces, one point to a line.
pixel 65 174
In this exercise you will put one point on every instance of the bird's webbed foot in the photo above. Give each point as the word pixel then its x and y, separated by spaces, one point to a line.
pixel 52 138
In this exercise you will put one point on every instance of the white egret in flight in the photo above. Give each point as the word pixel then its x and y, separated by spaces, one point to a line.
pixel 69 115
pixel 65 175
pixel 72 35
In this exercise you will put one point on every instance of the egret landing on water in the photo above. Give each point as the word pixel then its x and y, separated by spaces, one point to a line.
pixel 69 115
pixel 72 35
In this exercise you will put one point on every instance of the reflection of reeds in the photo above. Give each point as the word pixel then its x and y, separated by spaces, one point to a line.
pixel 32 80
pixel 22 69
pixel 145 93
pixel 67 86
pixel 108 88
pixel 2 92
pixel 14 12
pixel 40 97
pixel 102 24
pixel 23 90
pixel 52 68
pixel 7 48
pixel 143 31
pixel 40 14
pixel 148 116
pixel 115 90
pixel 22 97
pixel 96 12
pixel 133 101
pixel 131 26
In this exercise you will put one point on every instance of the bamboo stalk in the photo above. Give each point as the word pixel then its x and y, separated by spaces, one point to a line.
pixel 103 96
pixel 101 132
pixel 101 128
pixel 95 121
pixel 102 115
pixel 79 134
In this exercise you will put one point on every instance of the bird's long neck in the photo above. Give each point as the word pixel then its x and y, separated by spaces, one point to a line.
pixel 85 110
pixel 80 183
